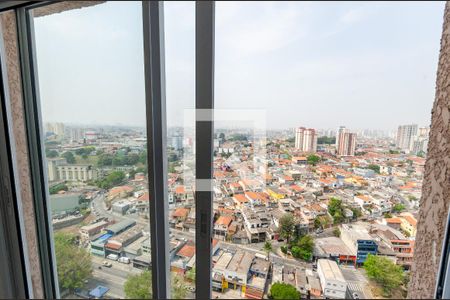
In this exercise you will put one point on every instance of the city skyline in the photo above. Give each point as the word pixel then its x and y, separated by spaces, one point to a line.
pixel 279 57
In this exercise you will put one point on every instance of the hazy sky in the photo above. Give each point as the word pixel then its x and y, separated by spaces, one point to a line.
pixel 359 64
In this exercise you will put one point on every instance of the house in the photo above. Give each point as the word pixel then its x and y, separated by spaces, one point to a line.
pixel 409 224
pixel 183 258
pixel 221 226
pixel 258 275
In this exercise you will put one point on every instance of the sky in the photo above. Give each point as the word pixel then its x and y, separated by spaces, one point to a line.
pixel 314 64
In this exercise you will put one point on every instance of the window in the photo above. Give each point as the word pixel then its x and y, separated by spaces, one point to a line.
pixel 90 67
pixel 309 128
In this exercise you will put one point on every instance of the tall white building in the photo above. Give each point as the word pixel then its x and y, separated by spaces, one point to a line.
pixel 406 135
pixel 345 142
pixel 340 130
pixel 306 139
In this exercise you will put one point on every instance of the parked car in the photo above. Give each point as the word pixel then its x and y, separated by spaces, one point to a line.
pixel 107 264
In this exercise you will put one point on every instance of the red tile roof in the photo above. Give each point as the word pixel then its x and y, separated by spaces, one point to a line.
pixel 187 251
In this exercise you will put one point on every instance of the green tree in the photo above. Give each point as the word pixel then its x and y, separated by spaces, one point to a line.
pixel 85 150
pixel 139 286
pixel 383 271
pixel 387 215
pixel 412 198
pixel 70 158
pixel 375 168
pixel 143 157
pixel 287 226
pixel 113 179
pixel 51 153
pixel 306 247
pixel 398 207
pixel 281 290
pixel 313 159
pixel 57 188
pixel 267 248
pixel 190 275
pixel 73 263
pixel 317 223
pixel 104 160
pixel 326 140
pixel 334 205
pixel 336 232
pixel 179 288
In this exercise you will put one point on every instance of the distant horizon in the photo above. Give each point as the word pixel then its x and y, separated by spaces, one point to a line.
pixel 367 64
pixel 87 126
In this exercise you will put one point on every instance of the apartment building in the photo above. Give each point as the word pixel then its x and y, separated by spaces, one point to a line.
pixel 405 136
pixel 306 139
pixel 345 143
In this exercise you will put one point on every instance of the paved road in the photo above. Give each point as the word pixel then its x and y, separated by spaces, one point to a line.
pixel 254 248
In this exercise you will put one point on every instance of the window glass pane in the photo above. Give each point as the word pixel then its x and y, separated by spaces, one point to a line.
pixel 179 22
pixel 343 93
pixel 91 89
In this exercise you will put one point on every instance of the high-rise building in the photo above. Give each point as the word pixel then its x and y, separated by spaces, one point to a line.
pixel 340 130
pixel 405 136
pixel 55 128
pixel 424 132
pixel 347 143
pixel 306 139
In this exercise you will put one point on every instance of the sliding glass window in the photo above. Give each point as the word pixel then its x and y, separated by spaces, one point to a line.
pixel 90 74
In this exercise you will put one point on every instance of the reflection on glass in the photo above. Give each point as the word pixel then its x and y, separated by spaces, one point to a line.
pixel 91 82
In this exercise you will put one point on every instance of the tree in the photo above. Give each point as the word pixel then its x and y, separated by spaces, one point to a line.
pixel 317 223
pixel 336 232
pixel 375 168
pixel 114 178
pixel 73 263
pixel 287 226
pixel 412 198
pixel 326 140
pixel 281 290
pixel 305 247
pixel 190 275
pixel 267 248
pixel 387 215
pixel 334 205
pixel 338 217
pixel 138 286
pixel 398 207
pixel 57 188
pixel 51 153
pixel 104 160
pixel 313 159
pixel 383 271
pixel 70 158
pixel 179 289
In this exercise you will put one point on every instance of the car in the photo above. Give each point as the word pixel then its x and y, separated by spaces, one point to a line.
pixel 107 264
pixel 355 296
pixel 191 288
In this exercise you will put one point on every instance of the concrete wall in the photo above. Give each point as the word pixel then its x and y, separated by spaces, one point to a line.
pixel 434 204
